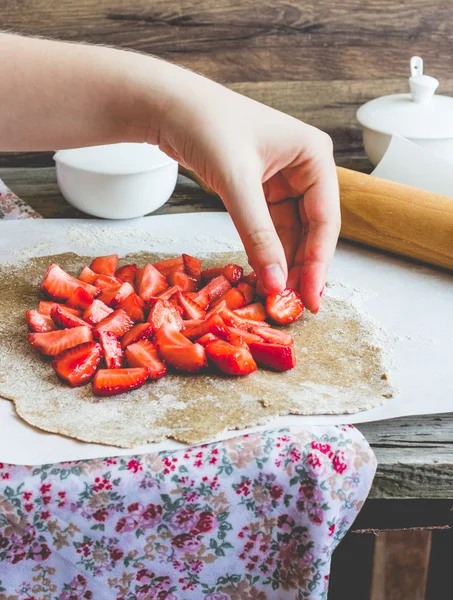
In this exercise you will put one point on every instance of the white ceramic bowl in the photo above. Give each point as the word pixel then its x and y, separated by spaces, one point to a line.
pixel 118 181
pixel 429 124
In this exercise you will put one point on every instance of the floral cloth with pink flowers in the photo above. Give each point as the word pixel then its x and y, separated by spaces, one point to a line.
pixel 256 517
pixel 13 207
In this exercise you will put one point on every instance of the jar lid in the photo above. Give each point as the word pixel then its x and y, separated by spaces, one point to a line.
pixel 115 159
pixel 421 114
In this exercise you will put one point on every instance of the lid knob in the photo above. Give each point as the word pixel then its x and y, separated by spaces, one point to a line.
pixel 422 86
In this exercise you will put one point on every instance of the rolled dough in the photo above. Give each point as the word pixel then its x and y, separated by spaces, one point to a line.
pixel 340 369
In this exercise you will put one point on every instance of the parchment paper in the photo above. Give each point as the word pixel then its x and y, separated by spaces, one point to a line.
pixel 413 303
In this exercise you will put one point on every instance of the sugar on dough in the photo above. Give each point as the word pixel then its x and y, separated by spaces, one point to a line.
pixel 340 369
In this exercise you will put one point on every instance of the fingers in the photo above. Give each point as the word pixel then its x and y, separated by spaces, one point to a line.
pixel 311 176
pixel 288 225
pixel 244 198
pixel 320 212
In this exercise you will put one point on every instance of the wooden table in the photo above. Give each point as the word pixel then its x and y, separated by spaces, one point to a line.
pixel 413 486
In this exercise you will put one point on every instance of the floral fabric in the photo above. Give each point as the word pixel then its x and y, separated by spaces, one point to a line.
pixel 252 518
pixel 12 207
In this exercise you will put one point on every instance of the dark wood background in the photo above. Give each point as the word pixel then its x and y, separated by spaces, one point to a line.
pixel 315 59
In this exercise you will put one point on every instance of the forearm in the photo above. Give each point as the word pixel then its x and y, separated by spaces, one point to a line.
pixel 59 95
pixel 275 175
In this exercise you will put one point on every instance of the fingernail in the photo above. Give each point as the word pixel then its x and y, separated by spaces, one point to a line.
pixel 273 278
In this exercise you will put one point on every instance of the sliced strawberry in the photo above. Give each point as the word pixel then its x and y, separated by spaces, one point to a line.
pixel 168 293
pixel 217 309
pixel 251 278
pixel 273 336
pixel 96 312
pixel 182 280
pixel 178 352
pixel 175 269
pixel 149 282
pixel 203 300
pixel 144 354
pixel 193 323
pixel 208 274
pixel 192 266
pixel 104 282
pixel 126 273
pixel 162 312
pixel 107 296
pixel 233 299
pixel 62 317
pixel 112 349
pixel 134 306
pixel 80 298
pixel 216 288
pixel 238 337
pixel 141 331
pixel 233 320
pixel 232 360
pixel 38 322
pixel 173 300
pixel 254 312
pixel 189 360
pixel 273 356
pixel 247 290
pixel 87 275
pixel 237 341
pixel 213 324
pixel 77 365
pixel 115 295
pixel 110 382
pixel 52 343
pixel 105 265
pixel 124 292
pixel 117 323
pixel 285 307
pixel 233 273
pixel 191 309
pixel 207 338
pixel 170 264
pixel 59 285
pixel 167 335
pixel 45 307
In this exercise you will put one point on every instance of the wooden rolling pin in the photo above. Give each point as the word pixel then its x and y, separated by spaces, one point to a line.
pixel 396 217
pixel 393 217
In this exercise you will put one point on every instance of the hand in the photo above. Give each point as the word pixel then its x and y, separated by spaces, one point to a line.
pixel 275 175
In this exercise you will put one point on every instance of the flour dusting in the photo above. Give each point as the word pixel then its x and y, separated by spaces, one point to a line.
pixel 92 237
pixel 221 243
pixel 382 338
pixel 342 368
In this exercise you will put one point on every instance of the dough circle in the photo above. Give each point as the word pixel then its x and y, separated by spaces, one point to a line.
pixel 340 369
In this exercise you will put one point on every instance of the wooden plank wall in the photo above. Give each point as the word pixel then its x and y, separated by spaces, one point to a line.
pixel 316 59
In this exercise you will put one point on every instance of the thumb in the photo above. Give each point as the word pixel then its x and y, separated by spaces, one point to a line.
pixel 244 198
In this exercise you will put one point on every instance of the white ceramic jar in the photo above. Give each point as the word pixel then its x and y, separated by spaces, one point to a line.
pixel 117 181
pixel 420 116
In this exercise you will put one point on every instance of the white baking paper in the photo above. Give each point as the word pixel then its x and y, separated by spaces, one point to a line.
pixel 410 164
pixel 412 302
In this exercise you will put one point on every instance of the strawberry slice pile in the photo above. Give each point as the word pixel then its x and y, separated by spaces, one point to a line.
pixel 119 327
